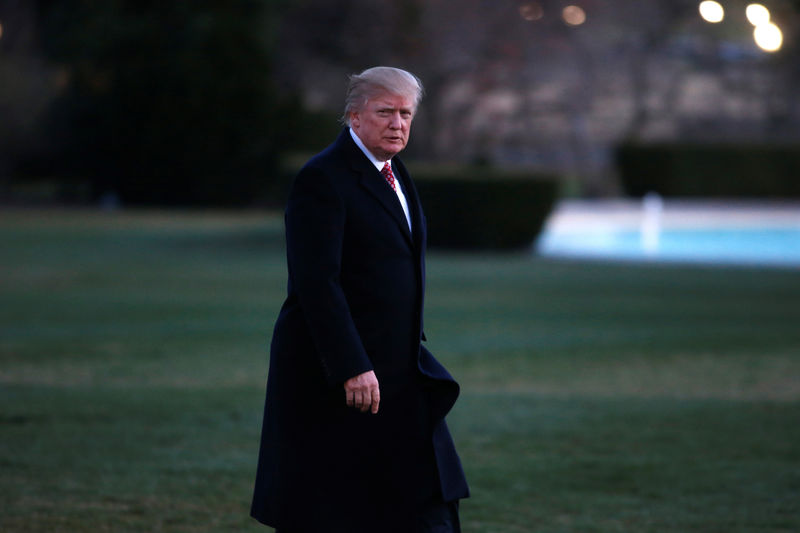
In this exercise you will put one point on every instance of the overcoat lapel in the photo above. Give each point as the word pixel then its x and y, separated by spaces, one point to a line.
pixel 372 181
pixel 414 205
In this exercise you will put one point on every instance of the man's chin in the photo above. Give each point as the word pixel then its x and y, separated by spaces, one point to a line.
pixel 392 149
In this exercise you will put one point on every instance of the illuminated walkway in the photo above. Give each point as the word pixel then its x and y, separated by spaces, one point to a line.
pixel 724 232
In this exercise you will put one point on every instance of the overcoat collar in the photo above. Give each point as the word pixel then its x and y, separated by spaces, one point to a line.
pixel 372 181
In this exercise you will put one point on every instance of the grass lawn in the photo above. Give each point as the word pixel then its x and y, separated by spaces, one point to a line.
pixel 596 397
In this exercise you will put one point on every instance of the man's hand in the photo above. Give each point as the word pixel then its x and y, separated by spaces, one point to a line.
pixel 363 393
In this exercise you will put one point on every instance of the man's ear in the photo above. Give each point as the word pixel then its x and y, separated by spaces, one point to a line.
pixel 355 121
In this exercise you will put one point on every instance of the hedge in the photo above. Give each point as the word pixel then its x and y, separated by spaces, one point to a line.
pixel 710 170
pixel 484 208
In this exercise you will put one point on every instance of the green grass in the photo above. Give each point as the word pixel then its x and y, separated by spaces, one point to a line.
pixel 596 397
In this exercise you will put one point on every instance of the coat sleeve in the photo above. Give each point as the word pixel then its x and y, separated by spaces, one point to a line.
pixel 315 220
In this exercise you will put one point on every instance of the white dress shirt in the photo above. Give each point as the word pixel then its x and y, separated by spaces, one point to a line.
pixel 379 165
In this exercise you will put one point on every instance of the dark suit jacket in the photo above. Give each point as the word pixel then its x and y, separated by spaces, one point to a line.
pixel 355 300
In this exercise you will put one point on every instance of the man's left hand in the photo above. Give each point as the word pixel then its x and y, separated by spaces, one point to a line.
pixel 363 392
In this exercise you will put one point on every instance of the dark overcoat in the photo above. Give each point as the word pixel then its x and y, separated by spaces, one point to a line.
pixel 355 303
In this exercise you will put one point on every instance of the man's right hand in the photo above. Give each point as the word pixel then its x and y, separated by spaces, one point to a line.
pixel 363 392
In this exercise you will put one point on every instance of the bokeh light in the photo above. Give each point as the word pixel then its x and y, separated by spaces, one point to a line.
pixel 1 30
pixel 531 11
pixel 757 14
pixel 711 11
pixel 574 15
pixel 768 37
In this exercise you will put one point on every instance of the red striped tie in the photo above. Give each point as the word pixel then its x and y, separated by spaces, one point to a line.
pixel 386 171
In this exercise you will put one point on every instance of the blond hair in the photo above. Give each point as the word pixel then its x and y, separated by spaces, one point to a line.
pixel 376 80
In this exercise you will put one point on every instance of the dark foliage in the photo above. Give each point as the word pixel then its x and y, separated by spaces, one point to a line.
pixel 484 208
pixel 167 103
pixel 712 170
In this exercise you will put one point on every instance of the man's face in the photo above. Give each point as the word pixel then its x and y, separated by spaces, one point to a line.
pixel 383 124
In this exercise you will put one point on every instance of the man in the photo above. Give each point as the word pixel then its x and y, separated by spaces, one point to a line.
pixel 354 438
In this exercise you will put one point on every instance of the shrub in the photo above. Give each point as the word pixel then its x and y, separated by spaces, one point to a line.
pixel 718 170
pixel 484 208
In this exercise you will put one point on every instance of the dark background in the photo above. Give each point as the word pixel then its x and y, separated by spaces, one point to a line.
pixel 128 102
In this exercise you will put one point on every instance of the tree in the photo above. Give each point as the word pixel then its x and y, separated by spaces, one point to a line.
pixel 26 88
pixel 512 83
pixel 166 102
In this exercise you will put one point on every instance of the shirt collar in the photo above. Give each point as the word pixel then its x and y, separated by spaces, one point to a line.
pixel 374 160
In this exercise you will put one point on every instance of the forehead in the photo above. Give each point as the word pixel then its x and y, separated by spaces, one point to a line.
pixel 391 100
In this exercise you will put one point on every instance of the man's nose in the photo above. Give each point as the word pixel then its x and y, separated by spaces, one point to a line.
pixel 396 122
